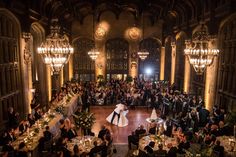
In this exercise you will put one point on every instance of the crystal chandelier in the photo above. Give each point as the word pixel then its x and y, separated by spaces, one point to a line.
pixel 142 53
pixel 198 51
pixel 56 50
pixel 93 53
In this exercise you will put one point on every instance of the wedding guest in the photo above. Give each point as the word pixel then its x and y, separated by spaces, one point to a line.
pixel 149 148
pixel 47 134
pixel 219 148
pixel 133 139
pixel 96 149
pixel 31 119
pixel 12 118
pixel 38 114
pixel 11 135
pixel 76 151
pixel 102 132
pixel 172 150
pixel 23 126
pixel 8 149
pixel 22 152
pixel 160 151
pixel 63 128
pixel 71 133
pixel 153 129
pixel 140 130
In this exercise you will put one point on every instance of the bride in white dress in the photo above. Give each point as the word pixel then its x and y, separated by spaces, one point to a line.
pixel 119 110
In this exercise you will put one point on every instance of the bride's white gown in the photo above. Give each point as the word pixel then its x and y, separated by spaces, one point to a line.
pixel 123 121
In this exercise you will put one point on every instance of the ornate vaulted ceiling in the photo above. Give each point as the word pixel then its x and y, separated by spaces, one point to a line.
pixel 169 10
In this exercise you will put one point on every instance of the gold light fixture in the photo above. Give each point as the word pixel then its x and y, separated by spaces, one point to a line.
pixel 199 53
pixel 93 53
pixel 143 53
pixel 56 50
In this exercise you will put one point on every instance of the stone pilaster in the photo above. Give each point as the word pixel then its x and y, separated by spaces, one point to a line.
pixel 187 70
pixel 162 64
pixel 173 60
pixel 211 80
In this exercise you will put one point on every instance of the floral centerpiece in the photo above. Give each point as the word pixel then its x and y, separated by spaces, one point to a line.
pixel 60 109
pixel 84 120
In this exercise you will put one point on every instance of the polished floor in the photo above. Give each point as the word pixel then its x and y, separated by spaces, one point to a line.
pixel 135 116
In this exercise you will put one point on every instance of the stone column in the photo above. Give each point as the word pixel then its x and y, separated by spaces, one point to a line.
pixel 70 67
pixel 187 70
pixel 162 63
pixel 133 59
pixel 27 71
pixel 211 80
pixel 61 77
pixel 173 59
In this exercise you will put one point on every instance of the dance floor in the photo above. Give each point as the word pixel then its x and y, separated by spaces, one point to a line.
pixel 135 116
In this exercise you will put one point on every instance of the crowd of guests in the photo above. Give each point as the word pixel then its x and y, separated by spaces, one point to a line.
pixel 188 120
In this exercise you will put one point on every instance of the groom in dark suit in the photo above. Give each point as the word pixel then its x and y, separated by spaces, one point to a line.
pixel 118 109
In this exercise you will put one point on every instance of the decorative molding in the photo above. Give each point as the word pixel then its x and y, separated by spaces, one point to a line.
pixel 27 53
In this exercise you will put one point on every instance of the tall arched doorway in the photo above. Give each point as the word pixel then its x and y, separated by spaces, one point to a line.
pixel 150 67
pixel 84 66
pixel 117 52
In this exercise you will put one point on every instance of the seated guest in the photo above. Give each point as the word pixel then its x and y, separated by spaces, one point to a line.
pixel 23 126
pixel 96 149
pixel 222 129
pixel 102 132
pixel 71 133
pixel 172 151
pixel 61 147
pixel 149 147
pixel 219 148
pixel 140 130
pixel 8 149
pixel 38 114
pixel 160 151
pixel 11 135
pixel 76 151
pixel 13 118
pixel 22 152
pixel 133 138
pixel 154 129
pixel 47 134
pixel 31 119
pixel 3 138
pixel 63 128
pixel 184 144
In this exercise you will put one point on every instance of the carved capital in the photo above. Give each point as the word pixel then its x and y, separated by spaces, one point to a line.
pixel 27 53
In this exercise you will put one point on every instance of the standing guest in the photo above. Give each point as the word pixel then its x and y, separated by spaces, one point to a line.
pixel 172 150
pixel 153 129
pixel 149 148
pixel 76 151
pixel 133 138
pixel 11 135
pixel 71 133
pixel 12 118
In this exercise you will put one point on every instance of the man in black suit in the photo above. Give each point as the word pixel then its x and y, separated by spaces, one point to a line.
pixel 219 148
pixel 140 130
pixel 71 133
pixel 10 135
pixel 7 148
pixel 47 134
pixel 12 118
pixel 133 138
pixel 160 151
pixel 96 149
pixel 23 126
pixel 102 132
pixel 172 151
pixel 154 129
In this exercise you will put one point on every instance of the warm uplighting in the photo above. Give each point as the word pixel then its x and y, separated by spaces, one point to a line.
pixel 199 53
pixel 56 50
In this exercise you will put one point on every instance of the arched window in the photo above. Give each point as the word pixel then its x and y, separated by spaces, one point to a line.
pixel 152 62
pixel 10 71
pixel 227 61
pixel 117 52
pixel 84 67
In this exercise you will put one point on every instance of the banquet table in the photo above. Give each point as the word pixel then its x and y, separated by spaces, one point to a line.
pixel 71 106
pixel 85 143
pixel 32 136
pixel 230 147
pixel 165 140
